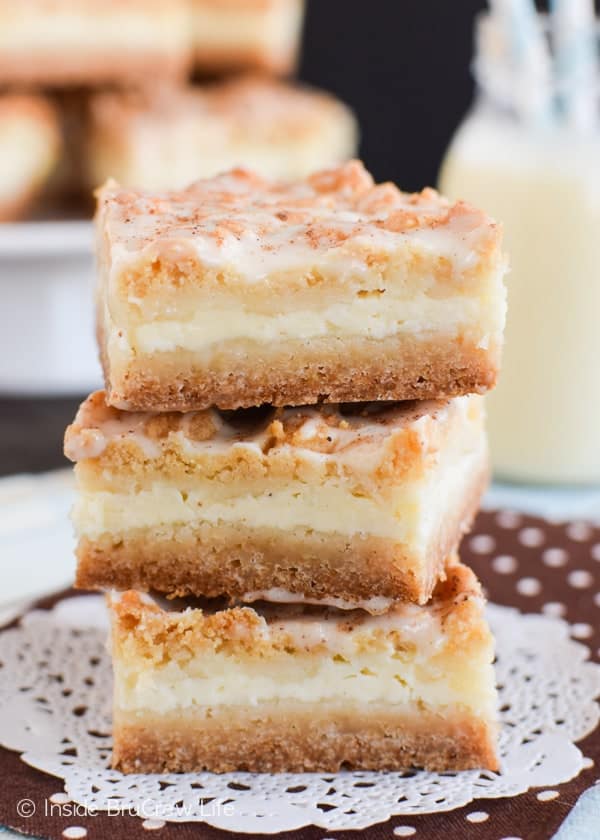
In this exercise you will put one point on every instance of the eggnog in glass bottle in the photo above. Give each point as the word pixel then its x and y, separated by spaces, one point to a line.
pixel 529 153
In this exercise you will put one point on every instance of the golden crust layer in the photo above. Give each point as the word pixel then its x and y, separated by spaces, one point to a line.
pixel 398 368
pixel 78 67
pixel 295 740
pixel 209 60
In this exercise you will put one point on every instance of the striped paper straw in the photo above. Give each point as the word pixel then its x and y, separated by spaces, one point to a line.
pixel 574 35
pixel 528 55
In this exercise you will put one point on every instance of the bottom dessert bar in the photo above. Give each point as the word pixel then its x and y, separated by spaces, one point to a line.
pixel 298 688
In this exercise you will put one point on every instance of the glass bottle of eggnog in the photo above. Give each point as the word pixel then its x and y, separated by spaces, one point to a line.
pixel 519 155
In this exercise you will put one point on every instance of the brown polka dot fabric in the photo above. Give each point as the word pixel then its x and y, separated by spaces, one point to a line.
pixel 523 562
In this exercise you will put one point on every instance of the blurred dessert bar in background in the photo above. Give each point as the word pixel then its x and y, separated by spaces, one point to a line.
pixel 58 43
pixel 240 290
pixel 165 138
pixel 29 151
pixel 353 506
pixel 119 75
pixel 246 34
pixel 296 688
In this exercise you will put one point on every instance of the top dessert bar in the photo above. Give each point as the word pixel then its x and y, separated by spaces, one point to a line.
pixel 239 291
pixel 246 34
pixel 64 43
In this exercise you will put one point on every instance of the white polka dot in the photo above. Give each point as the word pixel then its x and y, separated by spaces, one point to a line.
pixel 554 609
pixel 579 531
pixel 74 832
pixel 508 519
pixel 580 579
pixel 153 825
pixel 597 599
pixel 555 557
pixel 482 544
pixel 582 631
pixel 529 586
pixel 477 816
pixel 588 762
pixel 59 799
pixel 595 552
pixel 404 831
pixel 531 537
pixel 504 564
pixel 547 795
pixel 511 838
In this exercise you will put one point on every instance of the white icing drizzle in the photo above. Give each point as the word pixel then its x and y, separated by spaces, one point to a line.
pixel 340 630
pixel 374 606
pixel 95 428
pixel 239 222
pixel 309 626
pixel 342 436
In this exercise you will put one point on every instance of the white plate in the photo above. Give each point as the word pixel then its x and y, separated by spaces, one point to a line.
pixel 47 344
pixel 36 537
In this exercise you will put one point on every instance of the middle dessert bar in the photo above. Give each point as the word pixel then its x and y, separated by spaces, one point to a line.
pixel 351 506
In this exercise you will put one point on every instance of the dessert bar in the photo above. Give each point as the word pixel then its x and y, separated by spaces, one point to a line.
pixel 240 290
pixel 297 688
pixel 168 137
pixel 350 505
pixel 30 145
pixel 63 43
pixel 246 34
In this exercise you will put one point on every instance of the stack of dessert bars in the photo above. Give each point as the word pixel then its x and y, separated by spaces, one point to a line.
pixel 274 484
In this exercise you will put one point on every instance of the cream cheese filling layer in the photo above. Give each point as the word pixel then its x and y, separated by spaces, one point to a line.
pixel 321 508
pixel 369 317
pixel 412 516
pixel 371 677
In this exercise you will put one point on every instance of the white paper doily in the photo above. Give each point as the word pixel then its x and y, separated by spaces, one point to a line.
pixel 55 699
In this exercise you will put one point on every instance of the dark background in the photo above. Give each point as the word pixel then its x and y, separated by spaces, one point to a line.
pixel 403 65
